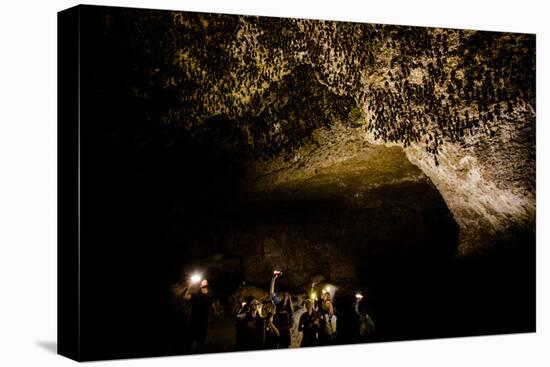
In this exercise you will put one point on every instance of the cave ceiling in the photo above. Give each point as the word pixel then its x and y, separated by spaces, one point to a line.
pixel 311 106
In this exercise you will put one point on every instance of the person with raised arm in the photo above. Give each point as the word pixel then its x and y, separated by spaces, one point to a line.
pixel 284 312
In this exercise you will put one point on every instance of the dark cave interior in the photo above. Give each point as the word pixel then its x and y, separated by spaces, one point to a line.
pixel 162 199
pixel 167 207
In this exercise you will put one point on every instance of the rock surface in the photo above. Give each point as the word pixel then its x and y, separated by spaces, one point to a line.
pixel 304 101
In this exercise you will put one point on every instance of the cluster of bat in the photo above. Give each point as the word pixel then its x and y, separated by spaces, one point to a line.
pixel 415 85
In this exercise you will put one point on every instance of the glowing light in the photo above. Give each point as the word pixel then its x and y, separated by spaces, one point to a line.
pixel 277 272
pixel 359 296
pixel 195 278
pixel 313 296
pixel 243 304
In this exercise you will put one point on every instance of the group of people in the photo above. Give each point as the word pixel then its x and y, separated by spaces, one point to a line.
pixel 316 323
pixel 274 323
pixel 270 329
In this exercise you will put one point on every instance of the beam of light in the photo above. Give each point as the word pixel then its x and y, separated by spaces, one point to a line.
pixel 329 289
pixel 195 278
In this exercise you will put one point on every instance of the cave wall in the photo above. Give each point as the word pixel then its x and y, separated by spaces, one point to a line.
pixel 487 183
pixel 336 222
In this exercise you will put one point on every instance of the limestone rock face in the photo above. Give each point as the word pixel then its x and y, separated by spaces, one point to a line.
pixel 488 183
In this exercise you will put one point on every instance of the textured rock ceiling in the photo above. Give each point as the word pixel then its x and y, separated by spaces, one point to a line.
pixel 309 104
